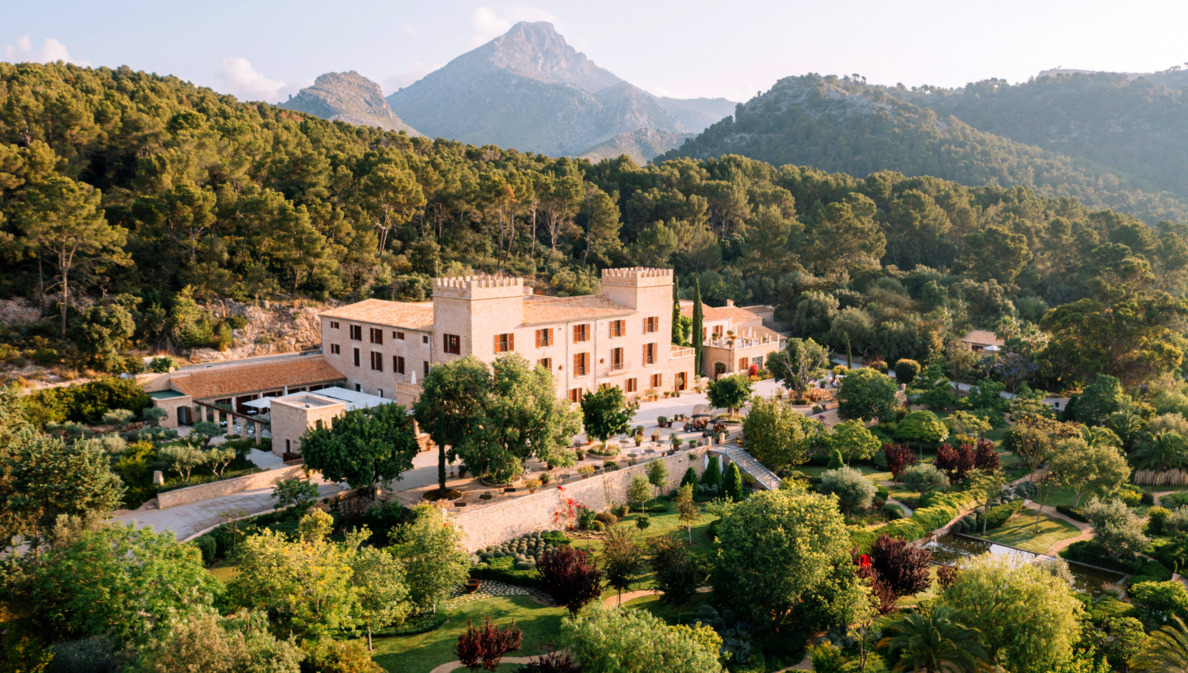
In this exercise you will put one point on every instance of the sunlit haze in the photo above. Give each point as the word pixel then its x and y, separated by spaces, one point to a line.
pixel 268 50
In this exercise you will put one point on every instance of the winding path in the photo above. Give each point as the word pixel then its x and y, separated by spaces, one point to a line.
pixel 1086 529
pixel 455 665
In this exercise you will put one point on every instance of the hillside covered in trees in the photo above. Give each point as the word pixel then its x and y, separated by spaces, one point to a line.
pixel 1060 136
pixel 129 199
pixel 1133 126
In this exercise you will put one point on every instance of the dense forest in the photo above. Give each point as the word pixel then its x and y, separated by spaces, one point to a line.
pixel 1133 126
pixel 127 200
pixel 845 124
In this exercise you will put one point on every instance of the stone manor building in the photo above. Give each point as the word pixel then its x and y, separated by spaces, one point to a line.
pixel 619 337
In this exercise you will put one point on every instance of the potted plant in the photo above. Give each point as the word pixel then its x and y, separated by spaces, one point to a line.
pixel 545 478
pixel 655 435
pixel 676 442
pixel 639 439
pixel 692 443
pixel 663 422
pixel 533 484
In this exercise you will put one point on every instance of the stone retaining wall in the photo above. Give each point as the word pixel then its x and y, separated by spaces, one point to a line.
pixel 497 523
pixel 248 482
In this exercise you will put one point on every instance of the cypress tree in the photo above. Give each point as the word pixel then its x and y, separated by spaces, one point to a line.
pixel 690 477
pixel 695 337
pixel 732 483
pixel 713 473
pixel 676 311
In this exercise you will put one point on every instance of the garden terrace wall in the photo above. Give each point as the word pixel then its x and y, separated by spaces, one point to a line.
pixel 215 489
pixel 500 522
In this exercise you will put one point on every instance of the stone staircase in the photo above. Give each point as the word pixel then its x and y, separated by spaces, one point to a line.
pixel 747 463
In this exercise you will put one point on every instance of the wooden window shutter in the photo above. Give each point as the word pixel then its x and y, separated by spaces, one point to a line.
pixel 511 342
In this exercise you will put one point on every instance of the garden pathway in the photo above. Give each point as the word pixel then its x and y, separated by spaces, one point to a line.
pixel 1086 529
pixel 613 601
pixel 456 665
pixel 907 511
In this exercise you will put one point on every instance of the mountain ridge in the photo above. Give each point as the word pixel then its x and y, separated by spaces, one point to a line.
pixel 531 90
pixel 349 97
pixel 846 125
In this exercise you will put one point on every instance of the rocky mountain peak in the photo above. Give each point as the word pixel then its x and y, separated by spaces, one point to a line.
pixel 349 97
pixel 535 49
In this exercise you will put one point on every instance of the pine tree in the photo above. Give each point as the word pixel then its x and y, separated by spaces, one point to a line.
pixel 835 460
pixel 695 336
pixel 690 477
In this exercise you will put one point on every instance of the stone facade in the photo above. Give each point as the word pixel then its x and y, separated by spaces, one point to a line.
pixel 734 338
pixel 619 337
pixel 248 482
pixel 497 523
pixel 293 415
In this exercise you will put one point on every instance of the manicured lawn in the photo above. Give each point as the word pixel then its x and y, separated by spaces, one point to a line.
pixel 666 612
pixel 422 653
pixel 1020 532
pixel 661 525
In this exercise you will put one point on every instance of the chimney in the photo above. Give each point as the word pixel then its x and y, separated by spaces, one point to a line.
pixel 729 303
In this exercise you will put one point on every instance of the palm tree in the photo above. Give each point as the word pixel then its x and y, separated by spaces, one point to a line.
pixel 1166 650
pixel 935 641
pixel 1097 436
pixel 1163 450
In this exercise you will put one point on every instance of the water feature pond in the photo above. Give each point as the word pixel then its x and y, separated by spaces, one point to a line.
pixel 950 549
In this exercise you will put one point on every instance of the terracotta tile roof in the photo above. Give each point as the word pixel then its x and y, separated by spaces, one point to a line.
pixel 538 309
pixel 735 314
pixel 406 314
pixel 227 380
pixel 982 337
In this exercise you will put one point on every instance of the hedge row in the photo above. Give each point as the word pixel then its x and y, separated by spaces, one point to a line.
pixel 937 510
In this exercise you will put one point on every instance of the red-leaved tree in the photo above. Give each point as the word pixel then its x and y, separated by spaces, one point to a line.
pixel 882 592
pixel 570 577
pixel 483 648
pixel 955 462
pixel 902 565
pixel 899 458
pixel 985 457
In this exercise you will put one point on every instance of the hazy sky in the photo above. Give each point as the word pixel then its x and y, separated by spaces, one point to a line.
pixel 266 50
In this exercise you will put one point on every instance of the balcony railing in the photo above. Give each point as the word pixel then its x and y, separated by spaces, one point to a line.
pixel 740 342
pixel 681 352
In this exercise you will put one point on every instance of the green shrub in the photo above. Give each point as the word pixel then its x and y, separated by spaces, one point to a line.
pixel 1152 571
pixel 598 527
pixel 555 538
pixel 998 516
pixel 1072 513
pixel 1157 602
pixel 892 511
pixel 1174 500
pixel 585 518
pixel 1092 553
pixel 1156 517
pixel 606 518
pixel 207 545
pixel 1131 495
pixel 881 492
